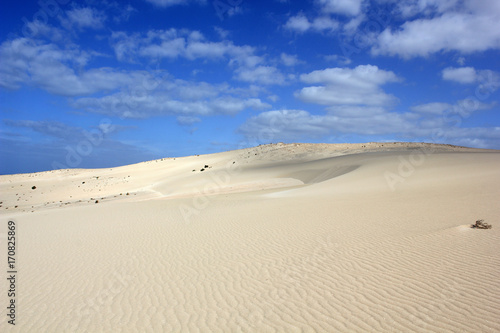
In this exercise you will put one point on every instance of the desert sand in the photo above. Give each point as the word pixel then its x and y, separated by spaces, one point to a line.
pixel 368 237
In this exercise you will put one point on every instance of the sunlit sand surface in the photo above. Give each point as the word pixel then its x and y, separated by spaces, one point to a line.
pixel 368 237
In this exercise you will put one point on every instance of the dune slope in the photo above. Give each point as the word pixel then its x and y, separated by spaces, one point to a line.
pixel 284 237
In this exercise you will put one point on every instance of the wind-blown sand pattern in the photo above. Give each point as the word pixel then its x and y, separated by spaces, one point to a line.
pixel 278 238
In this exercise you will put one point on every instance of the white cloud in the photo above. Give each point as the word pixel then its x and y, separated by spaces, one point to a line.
pixel 15 62
pixel 488 81
pixel 50 128
pixel 467 75
pixel 409 8
pixel 169 3
pixel 260 74
pixel 341 60
pixel 481 137
pixel 162 103
pixel 126 93
pixel 192 45
pixel 187 120
pixel 356 105
pixel 292 125
pixel 298 23
pixel 203 49
pixel 331 96
pixel 358 86
pixel 466 107
pixel 467 27
pixel 297 124
pixel 283 125
pixel 26 61
pixel 345 7
pixel 462 108
pixel 289 59
pixel 461 75
pixel 60 71
pixel 83 18
pixel 355 111
pixel 167 49
pixel 435 108
pixel 123 13
pixel 362 76
pixel 352 26
pixel 163 96
pixel 324 23
pixel 223 34
pixel 175 43
pixel 125 46
pixel 62 80
pixel 38 29
pixel 273 98
pixel 301 24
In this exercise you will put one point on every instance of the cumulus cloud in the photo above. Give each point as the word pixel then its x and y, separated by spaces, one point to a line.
pixel 289 59
pixel 122 13
pixel 49 67
pixel 260 74
pixel 156 104
pixel 39 29
pixel 358 86
pixel 125 93
pixel 59 71
pixel 301 24
pixel 488 80
pixel 81 18
pixel 292 125
pixel 461 75
pixel 298 23
pixel 187 120
pixel 345 7
pixel 283 125
pixel 173 43
pixel 169 3
pixel 435 108
pixel 338 59
pixel 223 34
pixel 410 8
pixel 363 76
pixel 299 124
pixel 54 129
pixel 357 105
pixel 467 27
pixel 463 108
pixel 171 98
pixel 192 45
pixel 322 20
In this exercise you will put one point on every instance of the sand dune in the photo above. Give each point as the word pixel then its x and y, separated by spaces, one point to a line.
pixel 368 237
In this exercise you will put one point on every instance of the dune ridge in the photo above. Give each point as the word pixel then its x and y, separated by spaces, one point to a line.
pixel 370 237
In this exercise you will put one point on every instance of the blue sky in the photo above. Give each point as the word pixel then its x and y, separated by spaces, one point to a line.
pixel 88 84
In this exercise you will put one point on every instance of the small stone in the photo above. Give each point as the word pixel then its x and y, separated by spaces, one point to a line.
pixel 480 224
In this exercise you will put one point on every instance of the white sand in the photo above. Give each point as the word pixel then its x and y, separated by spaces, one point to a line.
pixel 289 238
